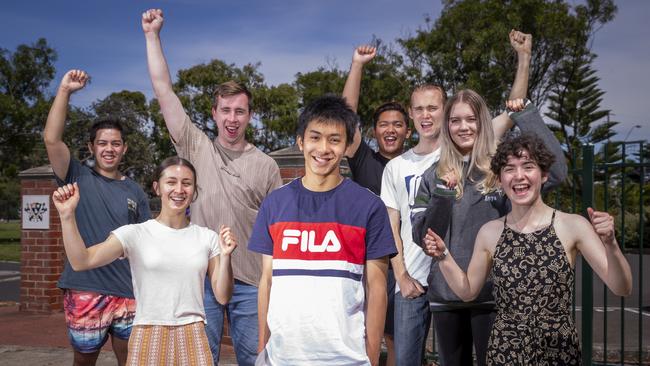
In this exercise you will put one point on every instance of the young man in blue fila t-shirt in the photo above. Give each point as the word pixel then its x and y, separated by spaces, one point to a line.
pixel 326 243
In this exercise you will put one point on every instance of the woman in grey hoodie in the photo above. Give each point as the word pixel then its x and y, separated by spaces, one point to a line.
pixel 456 197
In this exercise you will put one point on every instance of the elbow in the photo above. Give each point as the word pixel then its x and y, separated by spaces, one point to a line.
pixel 625 290
pixel 78 267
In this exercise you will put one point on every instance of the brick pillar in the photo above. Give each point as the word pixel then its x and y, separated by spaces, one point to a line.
pixel 42 256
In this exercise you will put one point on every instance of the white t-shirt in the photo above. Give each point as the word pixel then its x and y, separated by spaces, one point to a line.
pixel 399 186
pixel 168 267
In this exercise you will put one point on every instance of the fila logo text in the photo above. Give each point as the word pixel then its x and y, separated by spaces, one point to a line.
pixel 307 241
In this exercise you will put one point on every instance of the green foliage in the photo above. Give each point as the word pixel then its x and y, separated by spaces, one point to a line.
pixel 9 198
pixel 311 85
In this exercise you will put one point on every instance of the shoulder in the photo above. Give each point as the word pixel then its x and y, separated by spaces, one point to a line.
pixel 570 225
pixel 489 233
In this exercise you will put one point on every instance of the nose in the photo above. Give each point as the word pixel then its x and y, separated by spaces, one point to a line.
pixel 178 188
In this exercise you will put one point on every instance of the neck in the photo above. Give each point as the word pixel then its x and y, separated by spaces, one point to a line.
pixel 427 145
pixel 529 217
pixel 391 156
pixel 112 174
pixel 317 183
pixel 234 146
pixel 175 220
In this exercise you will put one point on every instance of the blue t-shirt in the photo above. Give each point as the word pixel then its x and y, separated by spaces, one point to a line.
pixel 320 242
pixel 105 204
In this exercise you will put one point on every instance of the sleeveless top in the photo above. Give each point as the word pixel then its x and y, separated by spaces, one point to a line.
pixel 533 290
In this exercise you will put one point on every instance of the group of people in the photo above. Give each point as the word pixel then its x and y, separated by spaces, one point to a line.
pixel 452 229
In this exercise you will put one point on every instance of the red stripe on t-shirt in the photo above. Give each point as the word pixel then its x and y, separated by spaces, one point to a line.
pixel 318 241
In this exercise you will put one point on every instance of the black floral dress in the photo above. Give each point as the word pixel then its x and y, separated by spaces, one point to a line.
pixel 533 289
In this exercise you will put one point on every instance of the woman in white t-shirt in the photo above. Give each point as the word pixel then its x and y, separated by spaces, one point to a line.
pixel 169 257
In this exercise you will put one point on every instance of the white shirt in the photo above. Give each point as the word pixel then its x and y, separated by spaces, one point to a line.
pixel 399 186
pixel 168 267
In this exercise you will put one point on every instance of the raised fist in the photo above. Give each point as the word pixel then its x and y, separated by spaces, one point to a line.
pixel 74 80
pixel 521 42
pixel 228 241
pixel 364 54
pixel 66 199
pixel 603 224
pixel 152 21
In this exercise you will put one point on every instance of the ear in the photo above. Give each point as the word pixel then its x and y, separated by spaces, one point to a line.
pixel 126 147
pixel 299 142
pixel 544 177
pixel 156 188
pixel 90 148
pixel 408 132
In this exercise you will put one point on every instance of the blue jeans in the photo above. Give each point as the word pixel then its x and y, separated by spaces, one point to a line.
pixel 412 319
pixel 242 320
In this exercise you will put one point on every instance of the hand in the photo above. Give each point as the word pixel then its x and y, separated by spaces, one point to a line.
pixel 364 54
pixel 521 42
pixel 409 287
pixel 228 241
pixel 74 80
pixel 516 105
pixel 433 245
pixel 66 199
pixel 450 179
pixel 152 21
pixel 603 224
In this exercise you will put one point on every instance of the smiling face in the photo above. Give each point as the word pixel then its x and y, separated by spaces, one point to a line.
pixel 323 145
pixel 463 127
pixel 108 148
pixel 426 111
pixel 232 114
pixel 176 188
pixel 521 179
pixel 391 131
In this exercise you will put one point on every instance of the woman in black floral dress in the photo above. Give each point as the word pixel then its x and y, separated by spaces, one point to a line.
pixel 530 254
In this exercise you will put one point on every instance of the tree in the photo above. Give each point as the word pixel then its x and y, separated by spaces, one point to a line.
pixel 467 46
pixel 24 76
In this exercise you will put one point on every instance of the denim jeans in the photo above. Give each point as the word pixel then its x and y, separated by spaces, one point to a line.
pixel 242 319
pixel 412 319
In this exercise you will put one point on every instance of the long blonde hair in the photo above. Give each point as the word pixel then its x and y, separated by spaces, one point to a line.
pixel 485 144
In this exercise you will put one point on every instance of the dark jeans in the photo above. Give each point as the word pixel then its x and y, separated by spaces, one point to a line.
pixel 458 330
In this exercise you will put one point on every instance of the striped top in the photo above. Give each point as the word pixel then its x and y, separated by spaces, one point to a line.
pixel 231 186
pixel 320 242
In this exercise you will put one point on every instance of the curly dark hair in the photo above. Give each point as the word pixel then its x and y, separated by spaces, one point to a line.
pixel 515 145
pixel 389 106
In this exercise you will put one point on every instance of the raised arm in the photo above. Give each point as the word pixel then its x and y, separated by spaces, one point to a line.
pixel 66 199
pixel 465 285
pixel 376 274
pixel 57 150
pixel 362 55
pixel 522 44
pixel 220 268
pixel 170 106
pixel 263 298
pixel 597 243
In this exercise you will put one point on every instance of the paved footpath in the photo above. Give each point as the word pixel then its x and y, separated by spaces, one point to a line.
pixel 35 340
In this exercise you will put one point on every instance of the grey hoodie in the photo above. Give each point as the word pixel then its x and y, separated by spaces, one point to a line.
pixel 458 221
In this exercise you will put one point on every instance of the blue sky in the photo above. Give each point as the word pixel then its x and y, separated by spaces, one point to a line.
pixel 105 39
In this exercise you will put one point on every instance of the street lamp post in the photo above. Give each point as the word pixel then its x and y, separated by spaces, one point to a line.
pixel 630 131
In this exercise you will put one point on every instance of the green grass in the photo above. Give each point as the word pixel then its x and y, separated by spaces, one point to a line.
pixel 10 241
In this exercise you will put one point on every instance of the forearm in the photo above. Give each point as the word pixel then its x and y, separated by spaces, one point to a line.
pixel 223 286
pixel 263 297
pixel 619 274
pixel 53 133
pixel 352 86
pixel 377 271
pixel 520 85
pixel 75 248
pixel 158 69
pixel 456 278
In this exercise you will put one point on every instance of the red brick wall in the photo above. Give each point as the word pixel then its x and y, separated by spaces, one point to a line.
pixel 42 256
pixel 290 173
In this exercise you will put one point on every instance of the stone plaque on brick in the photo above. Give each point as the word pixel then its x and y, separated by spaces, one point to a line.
pixel 36 212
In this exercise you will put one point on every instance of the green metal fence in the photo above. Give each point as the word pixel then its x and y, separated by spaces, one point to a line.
pixel 615 181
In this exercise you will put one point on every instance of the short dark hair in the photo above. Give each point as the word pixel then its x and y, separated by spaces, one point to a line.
pixel 230 88
pixel 386 107
pixel 172 161
pixel 516 145
pixel 105 124
pixel 329 108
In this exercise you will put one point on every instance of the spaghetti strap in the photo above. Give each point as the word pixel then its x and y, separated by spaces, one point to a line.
pixel 505 221
pixel 553 217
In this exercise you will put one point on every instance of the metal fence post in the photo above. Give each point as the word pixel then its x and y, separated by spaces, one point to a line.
pixel 587 274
